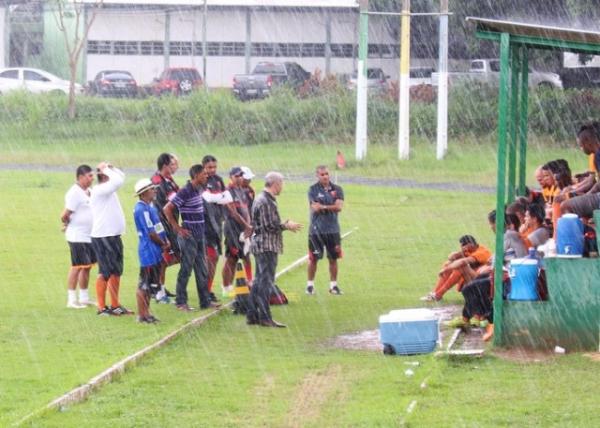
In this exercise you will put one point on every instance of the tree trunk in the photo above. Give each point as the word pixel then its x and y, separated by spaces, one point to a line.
pixel 73 70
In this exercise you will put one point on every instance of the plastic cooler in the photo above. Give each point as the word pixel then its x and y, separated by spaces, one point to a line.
pixel 409 331
pixel 523 279
pixel 569 236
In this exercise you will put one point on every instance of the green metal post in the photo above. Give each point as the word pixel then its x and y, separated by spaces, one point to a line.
pixel 523 120
pixel 513 117
pixel 501 184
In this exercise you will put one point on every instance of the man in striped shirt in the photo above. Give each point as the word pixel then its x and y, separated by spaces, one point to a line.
pixel 267 243
pixel 190 237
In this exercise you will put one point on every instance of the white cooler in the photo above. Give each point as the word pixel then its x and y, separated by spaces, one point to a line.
pixel 409 331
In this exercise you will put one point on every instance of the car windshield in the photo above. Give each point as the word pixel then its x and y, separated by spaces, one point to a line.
pixel 269 69
pixel 421 72
pixel 118 75
pixel 188 74
pixel 372 73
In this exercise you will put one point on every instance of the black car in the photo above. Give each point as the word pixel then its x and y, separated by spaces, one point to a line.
pixel 114 83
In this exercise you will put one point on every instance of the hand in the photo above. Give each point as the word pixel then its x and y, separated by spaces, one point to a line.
pixel 166 246
pixel 102 165
pixel 292 226
pixel 184 233
pixel 248 232
pixel 316 206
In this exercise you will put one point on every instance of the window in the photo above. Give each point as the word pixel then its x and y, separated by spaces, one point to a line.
pixel 125 48
pixel 10 74
pixel 213 49
pixel 99 47
pixel 151 48
pixel 180 48
pixel 32 75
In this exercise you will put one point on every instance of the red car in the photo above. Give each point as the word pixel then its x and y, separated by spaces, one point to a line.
pixel 176 81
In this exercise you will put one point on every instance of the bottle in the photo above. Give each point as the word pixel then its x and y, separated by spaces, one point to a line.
pixel 532 253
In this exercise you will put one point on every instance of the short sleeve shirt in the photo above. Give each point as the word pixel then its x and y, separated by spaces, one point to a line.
pixel 539 236
pixel 241 203
pixel 481 255
pixel 81 220
pixel 190 204
pixel 325 221
pixel 147 221
pixel 214 213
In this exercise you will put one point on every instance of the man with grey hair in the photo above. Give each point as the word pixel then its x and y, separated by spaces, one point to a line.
pixel 266 245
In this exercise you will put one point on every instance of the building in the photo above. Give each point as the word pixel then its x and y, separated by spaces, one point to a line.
pixel 146 36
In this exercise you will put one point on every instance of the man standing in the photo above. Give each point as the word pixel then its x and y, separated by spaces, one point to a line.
pixel 166 188
pixel 191 238
pixel 77 221
pixel 267 243
pixel 326 200
pixel 109 225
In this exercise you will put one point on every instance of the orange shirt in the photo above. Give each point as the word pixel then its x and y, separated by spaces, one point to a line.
pixel 591 163
pixel 482 255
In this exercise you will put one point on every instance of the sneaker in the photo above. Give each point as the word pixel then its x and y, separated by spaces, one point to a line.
pixel 335 290
pixel 121 310
pixel 184 307
pixel 227 291
pixel 75 305
pixel 146 320
pixel 164 300
pixel 88 303
pixel 169 294
pixel 106 312
pixel 213 298
pixel 310 290
pixel 429 297
pixel 211 305
pixel 152 319
pixel 457 322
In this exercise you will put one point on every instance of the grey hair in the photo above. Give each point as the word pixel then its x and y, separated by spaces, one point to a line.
pixel 273 178
pixel 320 168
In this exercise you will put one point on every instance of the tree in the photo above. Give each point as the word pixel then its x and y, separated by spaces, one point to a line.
pixel 75 37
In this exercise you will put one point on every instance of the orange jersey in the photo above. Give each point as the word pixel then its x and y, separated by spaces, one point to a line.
pixel 481 255
pixel 592 163
pixel 549 193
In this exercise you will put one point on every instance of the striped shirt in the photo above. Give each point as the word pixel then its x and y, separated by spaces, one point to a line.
pixel 267 225
pixel 191 207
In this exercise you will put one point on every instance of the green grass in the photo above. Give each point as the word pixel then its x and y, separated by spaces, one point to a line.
pixel 228 374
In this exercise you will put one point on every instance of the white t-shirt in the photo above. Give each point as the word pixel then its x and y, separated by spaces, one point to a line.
pixel 79 228
pixel 109 219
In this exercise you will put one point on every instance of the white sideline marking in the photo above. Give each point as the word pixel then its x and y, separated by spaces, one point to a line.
pixel 80 393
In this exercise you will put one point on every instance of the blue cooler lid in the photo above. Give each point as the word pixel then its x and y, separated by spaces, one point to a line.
pixel 404 315
pixel 526 261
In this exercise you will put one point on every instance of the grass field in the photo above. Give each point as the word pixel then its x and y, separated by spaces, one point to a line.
pixel 228 374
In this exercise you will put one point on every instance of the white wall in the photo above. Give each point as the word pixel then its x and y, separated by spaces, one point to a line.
pixel 3 41
pixel 123 24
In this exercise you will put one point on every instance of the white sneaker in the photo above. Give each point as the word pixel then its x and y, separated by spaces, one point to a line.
pixel 429 297
pixel 88 303
pixel 75 305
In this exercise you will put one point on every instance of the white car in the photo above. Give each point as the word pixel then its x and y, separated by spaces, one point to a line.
pixel 34 80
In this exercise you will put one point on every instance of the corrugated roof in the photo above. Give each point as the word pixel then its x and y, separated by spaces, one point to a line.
pixel 254 3
pixel 544 32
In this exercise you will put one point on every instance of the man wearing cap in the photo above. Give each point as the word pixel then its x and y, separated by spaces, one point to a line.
pixel 459 266
pixel 152 242
pixel 77 221
pixel 237 228
pixel 107 228
pixel 267 244
pixel 191 238
pixel 325 200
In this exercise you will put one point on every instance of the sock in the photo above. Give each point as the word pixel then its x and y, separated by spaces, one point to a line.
pixel 310 283
pixel 332 284
pixel 84 296
pixel 248 270
pixel 101 292
pixel 72 296
pixel 113 290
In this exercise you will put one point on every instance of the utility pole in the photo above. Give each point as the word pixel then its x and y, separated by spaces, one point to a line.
pixel 404 101
pixel 361 82
pixel 204 45
pixel 442 110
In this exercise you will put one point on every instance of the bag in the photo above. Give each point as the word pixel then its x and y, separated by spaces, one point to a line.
pixel 277 296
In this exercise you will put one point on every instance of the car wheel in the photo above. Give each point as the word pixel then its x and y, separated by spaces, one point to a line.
pixel 185 86
pixel 388 349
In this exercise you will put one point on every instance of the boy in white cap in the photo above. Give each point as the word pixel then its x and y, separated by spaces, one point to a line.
pixel 152 243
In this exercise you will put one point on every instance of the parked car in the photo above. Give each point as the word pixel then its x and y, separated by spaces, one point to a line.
pixel 176 81
pixel 113 83
pixel 267 75
pixel 488 71
pixel 420 76
pixel 377 80
pixel 34 80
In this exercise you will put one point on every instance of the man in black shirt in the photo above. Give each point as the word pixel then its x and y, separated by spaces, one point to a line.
pixel 326 200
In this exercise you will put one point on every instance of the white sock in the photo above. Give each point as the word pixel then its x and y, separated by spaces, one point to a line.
pixel 72 296
pixel 161 293
pixel 84 296
pixel 310 283
pixel 332 284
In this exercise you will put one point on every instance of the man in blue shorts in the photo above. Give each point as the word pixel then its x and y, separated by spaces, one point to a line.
pixel 326 200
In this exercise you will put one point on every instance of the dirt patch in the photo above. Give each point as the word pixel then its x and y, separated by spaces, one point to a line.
pixel 368 340
pixel 524 355
pixel 312 394
pixel 594 356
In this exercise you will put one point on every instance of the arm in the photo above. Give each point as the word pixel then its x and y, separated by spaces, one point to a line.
pixel 158 241
pixel 116 178
pixel 168 210
pixel 269 220
pixel 65 216
pixel 458 264
pixel 245 223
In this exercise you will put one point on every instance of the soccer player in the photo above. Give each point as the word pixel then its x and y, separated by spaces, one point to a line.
pixel 77 222
pixel 108 226
pixel 326 200
pixel 152 242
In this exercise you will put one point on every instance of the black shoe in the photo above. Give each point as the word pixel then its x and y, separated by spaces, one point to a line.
pixel 252 321
pixel 213 298
pixel 211 305
pixel 271 323
pixel 106 312
pixel 121 310
pixel 169 294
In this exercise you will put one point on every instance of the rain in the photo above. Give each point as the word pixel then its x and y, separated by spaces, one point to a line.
pixel 390 207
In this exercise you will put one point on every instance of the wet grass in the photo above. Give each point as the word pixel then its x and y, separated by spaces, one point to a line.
pixel 228 374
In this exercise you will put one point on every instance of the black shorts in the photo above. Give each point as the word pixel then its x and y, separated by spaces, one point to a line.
pixel 233 246
pixel 109 252
pixel 149 281
pixel 329 241
pixel 213 245
pixel 82 254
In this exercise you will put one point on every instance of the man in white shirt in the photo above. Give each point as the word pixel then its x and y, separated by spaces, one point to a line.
pixel 108 226
pixel 77 225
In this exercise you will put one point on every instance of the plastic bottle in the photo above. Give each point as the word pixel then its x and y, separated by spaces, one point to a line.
pixel 532 253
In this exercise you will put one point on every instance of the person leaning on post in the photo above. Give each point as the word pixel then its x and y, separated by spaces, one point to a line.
pixel 266 245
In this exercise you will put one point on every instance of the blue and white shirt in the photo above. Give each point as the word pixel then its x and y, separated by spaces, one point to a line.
pixel 146 222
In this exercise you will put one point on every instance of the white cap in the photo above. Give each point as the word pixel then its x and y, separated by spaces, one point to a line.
pixel 247 173
pixel 142 185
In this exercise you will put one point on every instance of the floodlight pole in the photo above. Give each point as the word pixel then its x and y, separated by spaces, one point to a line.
pixel 404 101
pixel 361 82
pixel 442 110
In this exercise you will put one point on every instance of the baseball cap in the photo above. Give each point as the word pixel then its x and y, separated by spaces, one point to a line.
pixel 142 185
pixel 247 173
pixel 235 171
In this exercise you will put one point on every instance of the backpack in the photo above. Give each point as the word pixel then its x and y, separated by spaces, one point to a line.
pixel 277 296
